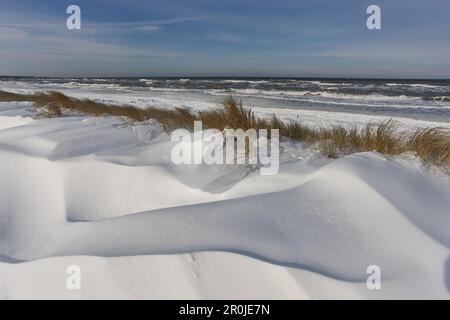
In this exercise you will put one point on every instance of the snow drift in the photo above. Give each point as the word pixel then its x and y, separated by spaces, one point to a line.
pixel 106 196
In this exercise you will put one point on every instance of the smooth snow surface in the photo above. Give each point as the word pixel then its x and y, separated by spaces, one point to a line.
pixel 105 196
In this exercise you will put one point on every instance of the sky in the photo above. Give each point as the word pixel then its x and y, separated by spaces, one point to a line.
pixel 298 38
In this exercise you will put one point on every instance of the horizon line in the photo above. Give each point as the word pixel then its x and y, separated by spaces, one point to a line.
pixel 221 77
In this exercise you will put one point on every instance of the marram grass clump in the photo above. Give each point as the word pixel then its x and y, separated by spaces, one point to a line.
pixel 432 145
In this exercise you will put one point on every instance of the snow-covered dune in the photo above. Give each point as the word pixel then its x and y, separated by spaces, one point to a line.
pixel 103 195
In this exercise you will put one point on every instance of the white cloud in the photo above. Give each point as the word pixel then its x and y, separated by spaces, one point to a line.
pixel 148 28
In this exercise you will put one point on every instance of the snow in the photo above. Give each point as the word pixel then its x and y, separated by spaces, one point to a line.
pixel 105 196
pixel 263 107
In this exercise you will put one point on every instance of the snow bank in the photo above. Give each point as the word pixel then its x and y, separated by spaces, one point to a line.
pixel 105 196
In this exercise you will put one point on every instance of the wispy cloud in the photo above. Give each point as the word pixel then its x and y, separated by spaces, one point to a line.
pixel 223 37
pixel 145 25
pixel 420 52
pixel 148 28
pixel 12 34
pixel 163 22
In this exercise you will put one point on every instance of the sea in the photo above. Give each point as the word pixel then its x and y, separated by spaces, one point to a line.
pixel 416 99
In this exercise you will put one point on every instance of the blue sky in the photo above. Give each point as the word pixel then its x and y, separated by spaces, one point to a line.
pixel 300 38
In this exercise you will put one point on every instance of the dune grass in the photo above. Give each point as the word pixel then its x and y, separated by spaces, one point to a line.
pixel 432 145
